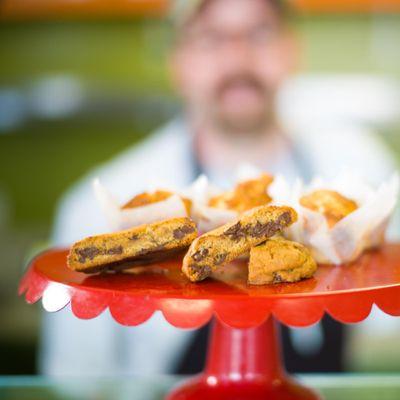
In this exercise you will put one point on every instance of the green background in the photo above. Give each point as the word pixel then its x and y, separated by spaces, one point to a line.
pixel 124 64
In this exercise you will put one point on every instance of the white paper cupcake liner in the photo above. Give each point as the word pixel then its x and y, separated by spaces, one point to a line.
pixel 206 217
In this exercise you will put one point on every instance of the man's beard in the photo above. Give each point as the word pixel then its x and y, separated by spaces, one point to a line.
pixel 253 123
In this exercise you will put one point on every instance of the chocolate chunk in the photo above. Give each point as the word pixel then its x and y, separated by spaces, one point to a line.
pixel 266 230
pixel 285 219
pixel 236 232
pixel 220 258
pixel 201 271
pixel 115 250
pixel 269 229
pixel 92 251
pixel 156 248
pixel 200 254
pixel 181 232
pixel 87 252
pixel 258 229
pixel 277 278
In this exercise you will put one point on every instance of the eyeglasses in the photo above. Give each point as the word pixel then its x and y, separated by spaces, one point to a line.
pixel 214 41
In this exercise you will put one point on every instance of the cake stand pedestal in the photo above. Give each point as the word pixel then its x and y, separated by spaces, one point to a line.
pixel 244 360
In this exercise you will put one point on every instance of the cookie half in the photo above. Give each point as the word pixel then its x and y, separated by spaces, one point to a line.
pixel 280 260
pixel 136 246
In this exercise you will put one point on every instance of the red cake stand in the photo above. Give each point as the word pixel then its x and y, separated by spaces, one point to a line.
pixel 244 360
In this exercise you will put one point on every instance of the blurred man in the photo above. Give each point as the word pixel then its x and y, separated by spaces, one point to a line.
pixel 229 61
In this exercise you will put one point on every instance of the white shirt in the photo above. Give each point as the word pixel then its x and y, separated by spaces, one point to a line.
pixel 100 346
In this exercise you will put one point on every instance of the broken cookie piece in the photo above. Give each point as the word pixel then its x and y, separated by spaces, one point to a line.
pixel 280 260
pixel 246 195
pixel 329 203
pixel 136 246
pixel 229 241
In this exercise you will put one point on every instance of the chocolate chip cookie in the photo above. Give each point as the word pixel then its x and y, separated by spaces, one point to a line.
pixel 136 246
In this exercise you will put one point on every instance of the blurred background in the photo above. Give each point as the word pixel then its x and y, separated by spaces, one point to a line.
pixel 80 81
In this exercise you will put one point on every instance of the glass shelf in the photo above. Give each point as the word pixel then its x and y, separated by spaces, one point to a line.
pixel 332 387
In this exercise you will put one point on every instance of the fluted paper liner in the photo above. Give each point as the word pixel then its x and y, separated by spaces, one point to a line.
pixel 206 217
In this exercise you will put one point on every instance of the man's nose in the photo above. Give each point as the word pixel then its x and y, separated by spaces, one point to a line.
pixel 237 53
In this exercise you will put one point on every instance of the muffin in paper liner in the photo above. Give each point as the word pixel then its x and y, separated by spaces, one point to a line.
pixel 360 230
pixel 119 218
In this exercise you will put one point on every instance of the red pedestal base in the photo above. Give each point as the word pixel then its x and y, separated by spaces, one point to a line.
pixel 243 364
